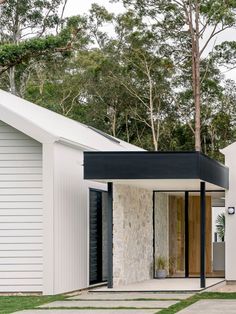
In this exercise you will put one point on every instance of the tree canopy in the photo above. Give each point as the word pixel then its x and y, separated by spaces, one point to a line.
pixel 142 75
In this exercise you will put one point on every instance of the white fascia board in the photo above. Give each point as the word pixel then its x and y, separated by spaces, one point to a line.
pixel 26 126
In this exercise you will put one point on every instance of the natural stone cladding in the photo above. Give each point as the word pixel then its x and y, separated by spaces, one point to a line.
pixel 132 235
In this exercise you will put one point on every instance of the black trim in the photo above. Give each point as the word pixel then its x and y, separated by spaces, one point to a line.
pixel 203 236
pixel 194 191
pixel 95 237
pixel 110 235
pixel 154 165
pixel 186 246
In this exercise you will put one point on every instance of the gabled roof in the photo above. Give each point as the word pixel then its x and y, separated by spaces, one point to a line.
pixel 228 148
pixel 47 126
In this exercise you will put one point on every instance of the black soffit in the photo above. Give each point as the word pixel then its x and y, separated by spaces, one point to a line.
pixel 154 165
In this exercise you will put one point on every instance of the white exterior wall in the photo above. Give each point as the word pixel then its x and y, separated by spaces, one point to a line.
pixel 71 220
pixel 230 221
pixel 20 211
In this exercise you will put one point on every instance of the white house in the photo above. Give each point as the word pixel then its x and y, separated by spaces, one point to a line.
pixel 62 230
pixel 44 201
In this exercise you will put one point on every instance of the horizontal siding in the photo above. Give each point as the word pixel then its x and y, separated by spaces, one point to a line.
pixel 19 143
pixel 21 163
pixel 20 156
pixel 22 288
pixel 21 212
pixel 21 233
pixel 31 256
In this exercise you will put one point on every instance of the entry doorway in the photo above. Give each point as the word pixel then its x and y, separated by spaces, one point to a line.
pixel 179 213
pixel 98 259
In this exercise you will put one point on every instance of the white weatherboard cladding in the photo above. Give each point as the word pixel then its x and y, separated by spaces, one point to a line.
pixel 20 212
pixel 71 220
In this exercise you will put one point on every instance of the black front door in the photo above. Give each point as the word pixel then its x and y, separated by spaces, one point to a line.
pixel 97 224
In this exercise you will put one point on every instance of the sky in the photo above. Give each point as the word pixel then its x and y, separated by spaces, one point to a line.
pixel 75 7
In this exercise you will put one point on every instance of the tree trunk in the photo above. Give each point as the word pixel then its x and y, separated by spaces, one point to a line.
pixel 12 80
pixel 16 35
pixel 196 81
pixel 197 99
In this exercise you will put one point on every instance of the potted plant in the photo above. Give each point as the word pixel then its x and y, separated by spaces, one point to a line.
pixel 161 264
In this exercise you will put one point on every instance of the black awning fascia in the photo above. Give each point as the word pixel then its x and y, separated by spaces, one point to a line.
pixel 154 165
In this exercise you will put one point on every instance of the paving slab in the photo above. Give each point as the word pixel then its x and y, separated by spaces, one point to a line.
pixel 168 285
pixel 211 307
pixel 136 311
pixel 110 304
pixel 130 296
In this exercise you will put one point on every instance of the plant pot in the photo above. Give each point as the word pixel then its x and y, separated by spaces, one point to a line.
pixel 161 273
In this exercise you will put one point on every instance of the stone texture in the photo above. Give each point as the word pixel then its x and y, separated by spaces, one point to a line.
pixel 161 226
pixel 111 304
pixel 107 311
pixel 211 307
pixel 132 235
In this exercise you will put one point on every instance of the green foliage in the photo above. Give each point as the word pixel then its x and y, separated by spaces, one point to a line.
pixel 13 54
pixel 134 82
pixel 19 18
pixel 161 263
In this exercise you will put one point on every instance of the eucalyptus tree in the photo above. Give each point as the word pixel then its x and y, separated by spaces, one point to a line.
pixel 193 24
pixel 145 72
pixel 23 19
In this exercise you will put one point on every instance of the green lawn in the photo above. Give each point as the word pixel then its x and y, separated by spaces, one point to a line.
pixel 206 295
pixel 11 304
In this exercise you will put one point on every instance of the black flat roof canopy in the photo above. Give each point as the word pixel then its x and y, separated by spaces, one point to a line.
pixel 143 165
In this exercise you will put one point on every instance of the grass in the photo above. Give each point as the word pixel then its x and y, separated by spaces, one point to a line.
pixel 200 296
pixel 11 304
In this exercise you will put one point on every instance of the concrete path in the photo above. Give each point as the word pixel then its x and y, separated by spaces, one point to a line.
pixel 164 285
pixel 110 304
pixel 211 307
pixel 89 312
pixel 130 296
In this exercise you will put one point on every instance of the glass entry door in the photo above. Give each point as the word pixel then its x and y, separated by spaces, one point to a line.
pixel 177 224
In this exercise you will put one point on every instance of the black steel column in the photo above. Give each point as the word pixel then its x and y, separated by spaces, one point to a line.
pixel 203 236
pixel 186 234
pixel 110 235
